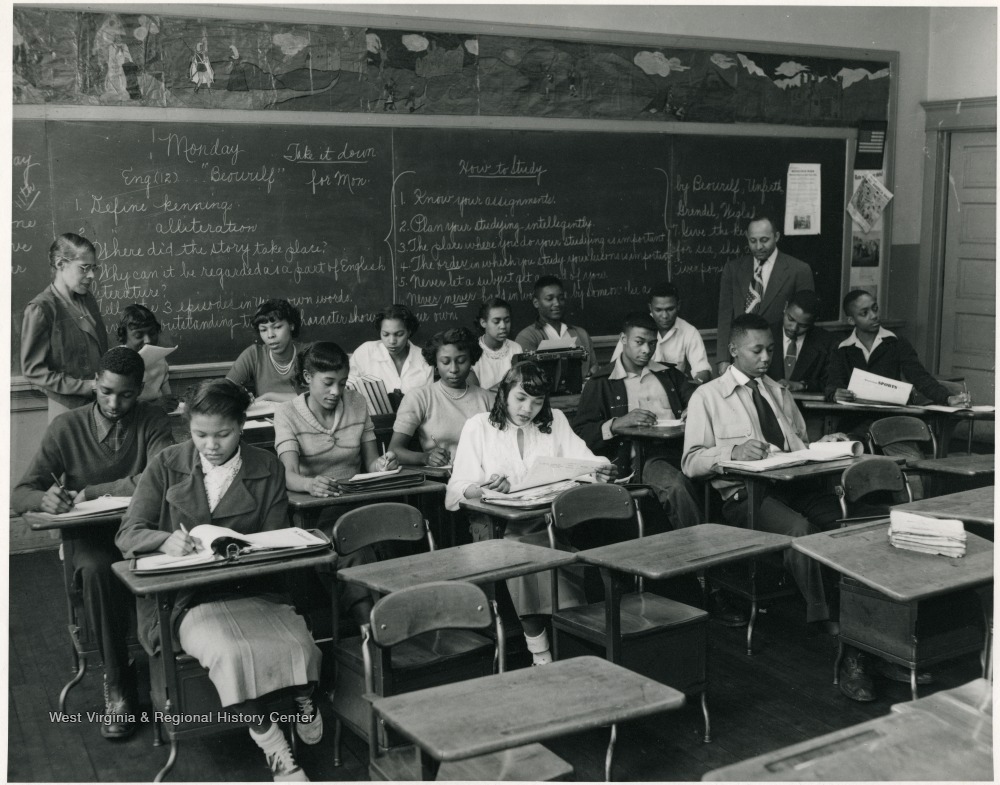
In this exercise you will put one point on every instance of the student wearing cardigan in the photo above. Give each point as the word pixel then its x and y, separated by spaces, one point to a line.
pixel 96 450
pixel 62 334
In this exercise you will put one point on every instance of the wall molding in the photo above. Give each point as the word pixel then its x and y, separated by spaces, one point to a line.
pixel 942 119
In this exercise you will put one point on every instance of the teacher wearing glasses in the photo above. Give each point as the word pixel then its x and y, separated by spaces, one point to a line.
pixel 62 335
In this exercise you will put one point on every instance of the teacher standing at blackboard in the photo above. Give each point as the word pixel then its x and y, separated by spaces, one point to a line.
pixel 760 283
pixel 63 336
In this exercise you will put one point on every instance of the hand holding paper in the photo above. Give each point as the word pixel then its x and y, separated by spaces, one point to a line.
pixel 872 387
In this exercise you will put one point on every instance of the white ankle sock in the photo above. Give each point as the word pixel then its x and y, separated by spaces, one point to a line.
pixel 538 645
pixel 268 738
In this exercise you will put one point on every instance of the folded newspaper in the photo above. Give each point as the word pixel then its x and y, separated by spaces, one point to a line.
pixel 926 535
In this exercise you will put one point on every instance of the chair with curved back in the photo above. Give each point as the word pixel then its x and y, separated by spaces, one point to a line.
pixel 645 632
pixel 872 475
pixel 417 612
pixel 424 660
pixel 889 431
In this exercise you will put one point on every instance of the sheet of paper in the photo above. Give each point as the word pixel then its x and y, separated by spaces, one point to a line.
pixel 545 471
pixel 95 507
pixel 261 409
pixel 566 342
pixel 150 353
pixel 872 387
pixel 803 199
pixel 370 475
pixel 868 202
pixel 668 422
pixel 250 425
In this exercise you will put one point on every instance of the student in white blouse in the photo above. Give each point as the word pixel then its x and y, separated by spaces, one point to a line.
pixel 494 452
pixel 393 358
pixel 498 349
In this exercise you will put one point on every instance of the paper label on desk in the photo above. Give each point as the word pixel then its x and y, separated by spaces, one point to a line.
pixel 872 387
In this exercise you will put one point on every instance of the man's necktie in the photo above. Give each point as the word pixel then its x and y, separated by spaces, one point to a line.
pixel 116 436
pixel 790 357
pixel 756 291
pixel 769 425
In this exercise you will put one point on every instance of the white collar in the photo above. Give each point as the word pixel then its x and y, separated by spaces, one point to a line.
pixel 770 259
pixel 741 378
pixel 663 338
pixel 619 371
pixel 853 340
pixel 384 352
pixel 208 468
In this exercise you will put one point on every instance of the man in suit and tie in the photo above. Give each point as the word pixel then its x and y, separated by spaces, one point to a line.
pixel 760 283
pixel 805 350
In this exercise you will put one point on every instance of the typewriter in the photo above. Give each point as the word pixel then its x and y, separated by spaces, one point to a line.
pixel 566 368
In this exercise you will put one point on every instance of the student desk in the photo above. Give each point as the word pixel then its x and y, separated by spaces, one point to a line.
pixel 964 468
pixel 880 608
pixel 305 509
pixel 970 705
pixel 900 746
pixel 975 506
pixel 756 485
pixel 488 561
pixel 183 688
pixel 81 636
pixel 494 713
pixel 639 436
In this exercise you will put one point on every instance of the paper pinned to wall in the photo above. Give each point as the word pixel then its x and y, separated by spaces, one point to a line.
pixel 802 204
pixel 869 201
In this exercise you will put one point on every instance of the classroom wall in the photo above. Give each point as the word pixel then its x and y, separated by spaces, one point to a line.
pixel 963 53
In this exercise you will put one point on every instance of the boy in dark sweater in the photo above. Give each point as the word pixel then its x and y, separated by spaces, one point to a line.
pixel 96 450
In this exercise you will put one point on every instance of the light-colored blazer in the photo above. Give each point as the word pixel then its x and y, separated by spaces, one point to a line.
pixel 721 416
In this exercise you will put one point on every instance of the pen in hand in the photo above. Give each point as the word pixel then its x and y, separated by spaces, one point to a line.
pixel 63 493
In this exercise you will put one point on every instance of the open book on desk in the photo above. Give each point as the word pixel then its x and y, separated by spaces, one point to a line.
pixel 546 471
pixel 220 546
pixel 816 452
pixel 100 507
pixel 531 498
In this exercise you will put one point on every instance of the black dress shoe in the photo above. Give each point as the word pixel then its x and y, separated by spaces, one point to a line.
pixel 894 672
pixel 854 680
pixel 724 613
pixel 119 712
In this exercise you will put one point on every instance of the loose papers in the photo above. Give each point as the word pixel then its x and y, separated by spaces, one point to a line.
pixel 937 536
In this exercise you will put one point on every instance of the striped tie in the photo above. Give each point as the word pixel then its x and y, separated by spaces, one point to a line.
pixel 756 291
pixel 790 357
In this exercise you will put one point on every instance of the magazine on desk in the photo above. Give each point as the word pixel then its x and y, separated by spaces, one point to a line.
pixel 220 546
pixel 816 452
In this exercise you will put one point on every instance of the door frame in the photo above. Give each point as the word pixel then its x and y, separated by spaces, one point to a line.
pixel 942 119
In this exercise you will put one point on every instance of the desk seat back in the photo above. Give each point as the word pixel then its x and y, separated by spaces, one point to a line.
pixel 441 605
pixel 375 523
pixel 870 476
pixel 892 430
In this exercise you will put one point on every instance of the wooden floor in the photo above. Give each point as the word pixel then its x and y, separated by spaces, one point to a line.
pixel 782 695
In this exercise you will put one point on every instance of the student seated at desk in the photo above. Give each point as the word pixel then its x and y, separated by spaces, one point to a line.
pixel 97 450
pixel 139 327
pixel 743 415
pixel 550 301
pixel 635 391
pixel 394 358
pixel 494 452
pixel 436 412
pixel 802 364
pixel 268 368
pixel 245 633
pixel 497 349
pixel 678 342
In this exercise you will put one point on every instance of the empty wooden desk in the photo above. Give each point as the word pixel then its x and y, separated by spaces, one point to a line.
pixel 902 746
pixel 880 613
pixel 493 713
pixel 639 436
pixel 975 506
pixel 188 701
pixel 967 467
pixel 970 705
pixel 479 562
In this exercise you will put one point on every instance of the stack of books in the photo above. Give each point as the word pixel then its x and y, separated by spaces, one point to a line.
pixel 926 535
pixel 374 392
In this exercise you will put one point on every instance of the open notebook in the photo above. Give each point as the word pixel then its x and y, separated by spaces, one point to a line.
pixel 93 508
pixel 220 545
pixel 815 452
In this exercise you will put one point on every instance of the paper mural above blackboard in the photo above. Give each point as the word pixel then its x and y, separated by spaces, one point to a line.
pixel 133 59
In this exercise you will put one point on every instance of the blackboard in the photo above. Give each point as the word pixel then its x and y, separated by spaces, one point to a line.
pixel 202 221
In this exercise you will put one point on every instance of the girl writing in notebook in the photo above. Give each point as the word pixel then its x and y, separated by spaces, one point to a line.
pixel 215 478
pixel 269 367
pixel 494 453
pixel 436 412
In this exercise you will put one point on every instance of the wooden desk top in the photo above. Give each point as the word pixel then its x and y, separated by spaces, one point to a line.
pixel 817 469
pixel 191 579
pixel 975 506
pixel 962 465
pixel 968 706
pixel 808 396
pixel 43 521
pixel 493 713
pixel 684 550
pixel 913 746
pixel 479 562
pixel 863 552
pixel 303 501
pixel 886 410
pixel 664 433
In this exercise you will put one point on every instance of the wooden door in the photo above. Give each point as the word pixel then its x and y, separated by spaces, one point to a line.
pixel 968 309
